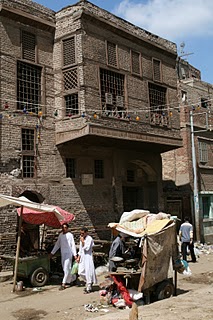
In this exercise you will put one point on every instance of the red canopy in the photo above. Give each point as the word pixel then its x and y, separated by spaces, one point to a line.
pixel 45 217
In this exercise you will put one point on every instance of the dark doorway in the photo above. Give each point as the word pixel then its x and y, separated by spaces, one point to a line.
pixel 174 207
pixel 133 198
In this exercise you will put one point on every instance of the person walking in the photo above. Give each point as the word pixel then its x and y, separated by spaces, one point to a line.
pixel 186 238
pixel 66 244
pixel 86 268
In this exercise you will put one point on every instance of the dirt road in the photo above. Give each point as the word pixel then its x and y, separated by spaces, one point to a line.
pixel 194 300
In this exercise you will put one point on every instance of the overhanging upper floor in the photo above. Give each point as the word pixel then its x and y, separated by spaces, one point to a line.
pixel 93 133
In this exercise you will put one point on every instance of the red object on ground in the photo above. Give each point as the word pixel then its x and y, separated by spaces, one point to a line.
pixel 44 217
pixel 123 290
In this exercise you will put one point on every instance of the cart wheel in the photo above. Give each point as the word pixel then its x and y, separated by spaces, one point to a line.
pixel 164 290
pixel 39 277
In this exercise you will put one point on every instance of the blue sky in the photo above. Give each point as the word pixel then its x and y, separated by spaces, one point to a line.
pixel 181 21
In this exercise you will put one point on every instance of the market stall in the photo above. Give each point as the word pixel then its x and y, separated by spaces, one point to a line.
pixel 35 267
pixel 153 265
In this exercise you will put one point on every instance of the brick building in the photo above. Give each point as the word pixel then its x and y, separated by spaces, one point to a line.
pixel 179 173
pixel 87 107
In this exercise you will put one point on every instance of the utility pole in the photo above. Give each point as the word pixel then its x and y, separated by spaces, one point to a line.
pixel 197 214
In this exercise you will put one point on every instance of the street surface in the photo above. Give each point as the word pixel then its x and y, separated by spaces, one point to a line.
pixel 194 300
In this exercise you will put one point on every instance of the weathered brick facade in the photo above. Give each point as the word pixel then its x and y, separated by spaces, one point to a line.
pixel 130 139
pixel 196 96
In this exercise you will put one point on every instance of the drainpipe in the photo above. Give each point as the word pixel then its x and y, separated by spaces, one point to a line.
pixel 196 197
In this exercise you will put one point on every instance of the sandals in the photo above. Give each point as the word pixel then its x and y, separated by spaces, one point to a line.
pixel 63 287
pixel 87 291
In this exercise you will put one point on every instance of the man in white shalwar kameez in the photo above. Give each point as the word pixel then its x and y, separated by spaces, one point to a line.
pixel 66 244
pixel 86 268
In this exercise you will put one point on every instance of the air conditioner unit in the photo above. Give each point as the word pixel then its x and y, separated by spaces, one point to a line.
pixel 108 97
pixel 120 101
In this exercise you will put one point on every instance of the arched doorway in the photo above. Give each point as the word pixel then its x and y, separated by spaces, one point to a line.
pixel 30 233
pixel 140 187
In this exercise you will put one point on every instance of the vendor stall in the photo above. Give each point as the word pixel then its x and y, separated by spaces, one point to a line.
pixel 35 267
pixel 152 267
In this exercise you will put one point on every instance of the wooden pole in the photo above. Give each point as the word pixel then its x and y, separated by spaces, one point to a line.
pixel 17 250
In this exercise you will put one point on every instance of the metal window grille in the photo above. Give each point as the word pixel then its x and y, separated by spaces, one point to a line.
pixel 28 46
pixel 157 99
pixel 28 166
pixel 28 86
pixel 156 70
pixel 203 151
pixel 130 175
pixel 135 62
pixel 99 169
pixel 28 137
pixel 70 168
pixel 70 79
pixel 69 55
pixel 112 54
pixel 28 153
pixel 112 87
pixel 71 104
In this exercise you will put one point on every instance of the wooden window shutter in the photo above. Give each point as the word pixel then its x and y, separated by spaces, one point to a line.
pixel 157 70
pixel 28 46
pixel 112 54
pixel 69 55
pixel 135 62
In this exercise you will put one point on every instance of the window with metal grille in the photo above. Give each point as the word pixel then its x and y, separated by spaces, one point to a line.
pixel 28 153
pixel 28 46
pixel 99 169
pixel 204 103
pixel 156 70
pixel 203 151
pixel 135 62
pixel 158 107
pixel 130 175
pixel 69 55
pixel 70 79
pixel 112 54
pixel 71 104
pixel 70 168
pixel 28 87
pixel 112 93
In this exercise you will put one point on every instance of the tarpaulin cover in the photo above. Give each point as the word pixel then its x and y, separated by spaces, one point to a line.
pixel 158 249
pixel 45 217
pixel 37 213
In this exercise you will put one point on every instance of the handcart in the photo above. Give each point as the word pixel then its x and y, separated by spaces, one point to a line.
pixel 154 272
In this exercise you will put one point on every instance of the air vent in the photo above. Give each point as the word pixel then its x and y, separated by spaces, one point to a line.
pixel 108 97
pixel 120 101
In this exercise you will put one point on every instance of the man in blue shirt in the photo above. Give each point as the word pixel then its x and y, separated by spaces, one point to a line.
pixel 186 238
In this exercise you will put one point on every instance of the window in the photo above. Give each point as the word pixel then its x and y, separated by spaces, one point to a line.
pixel 207 206
pixel 71 103
pixel 157 100
pixel 135 62
pixel 70 78
pixel 28 153
pixel 130 175
pixel 28 46
pixel 204 103
pixel 156 65
pixel 69 55
pixel 99 169
pixel 28 87
pixel 112 54
pixel 112 93
pixel 184 96
pixel 70 168
pixel 203 151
